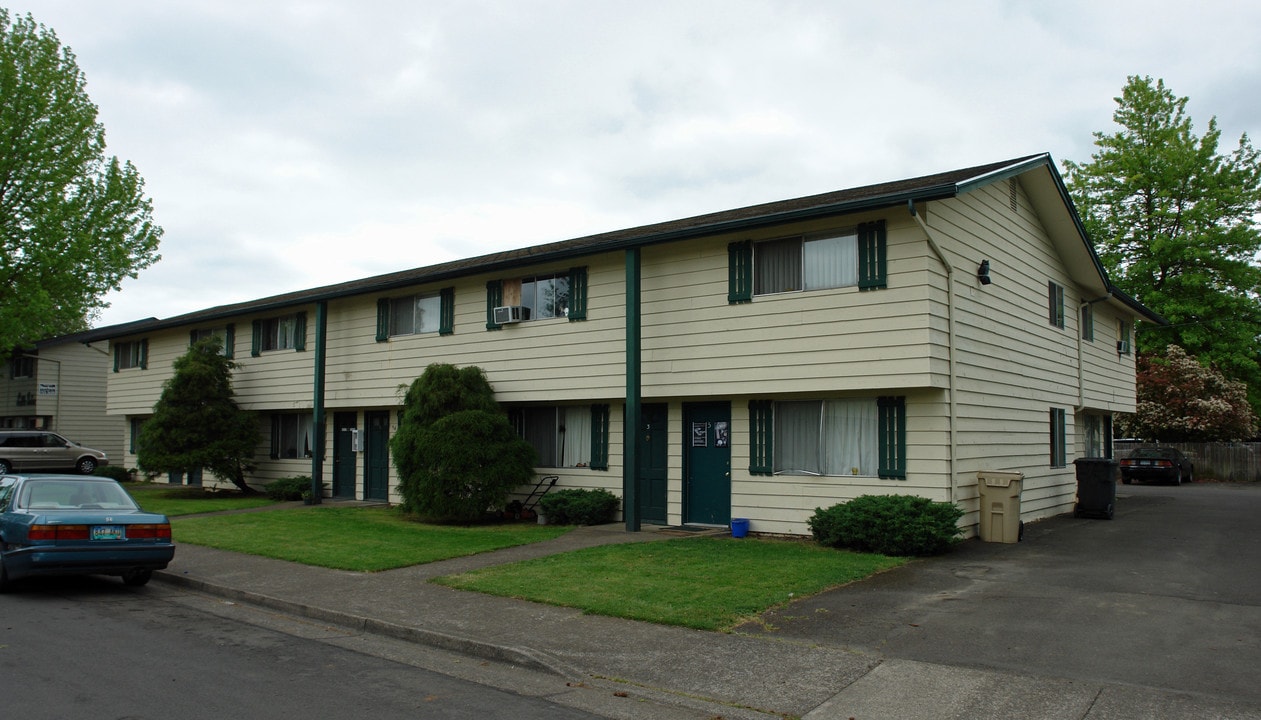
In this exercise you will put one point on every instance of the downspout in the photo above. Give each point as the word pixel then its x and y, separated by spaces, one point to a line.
pixel 950 324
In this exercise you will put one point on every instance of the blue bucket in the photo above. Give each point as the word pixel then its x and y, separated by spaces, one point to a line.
pixel 739 527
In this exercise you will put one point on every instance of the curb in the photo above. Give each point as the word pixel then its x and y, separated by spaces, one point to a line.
pixel 518 656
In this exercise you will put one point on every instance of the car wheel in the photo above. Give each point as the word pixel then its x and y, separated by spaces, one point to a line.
pixel 136 578
pixel 5 467
pixel 86 466
pixel 1177 479
pixel 1126 480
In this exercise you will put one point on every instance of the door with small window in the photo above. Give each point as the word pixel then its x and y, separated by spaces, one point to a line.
pixel 707 463
pixel 345 462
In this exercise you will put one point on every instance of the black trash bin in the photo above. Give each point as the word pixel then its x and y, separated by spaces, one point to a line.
pixel 1096 487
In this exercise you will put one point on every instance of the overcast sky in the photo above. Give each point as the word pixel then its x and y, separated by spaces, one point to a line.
pixel 288 145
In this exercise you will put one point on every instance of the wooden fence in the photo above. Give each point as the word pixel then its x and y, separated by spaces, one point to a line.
pixel 1226 462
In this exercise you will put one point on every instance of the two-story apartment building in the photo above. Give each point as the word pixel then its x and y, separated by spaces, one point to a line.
pixel 756 363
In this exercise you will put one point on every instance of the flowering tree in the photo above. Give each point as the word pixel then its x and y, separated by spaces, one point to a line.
pixel 1180 400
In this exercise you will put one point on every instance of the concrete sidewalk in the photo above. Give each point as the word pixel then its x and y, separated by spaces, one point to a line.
pixel 753 673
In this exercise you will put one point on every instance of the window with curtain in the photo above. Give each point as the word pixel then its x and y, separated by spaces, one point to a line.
pixel 546 296
pixel 291 435
pixel 561 435
pixel 225 335
pixel 415 314
pixel 826 437
pixel 811 262
pixel 1055 304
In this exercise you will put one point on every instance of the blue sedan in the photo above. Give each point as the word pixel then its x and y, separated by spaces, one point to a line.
pixel 78 525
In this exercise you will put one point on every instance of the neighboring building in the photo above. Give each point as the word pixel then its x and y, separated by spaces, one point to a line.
pixel 895 338
pixel 59 385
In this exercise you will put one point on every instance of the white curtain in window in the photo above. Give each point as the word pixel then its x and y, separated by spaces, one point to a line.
pixel 850 439
pixel 576 439
pixel 428 313
pixel 305 425
pixel 797 438
pixel 830 261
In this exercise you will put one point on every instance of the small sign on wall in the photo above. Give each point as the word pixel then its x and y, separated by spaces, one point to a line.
pixel 47 389
pixel 700 434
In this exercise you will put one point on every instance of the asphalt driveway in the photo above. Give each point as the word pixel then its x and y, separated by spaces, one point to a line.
pixel 1166 595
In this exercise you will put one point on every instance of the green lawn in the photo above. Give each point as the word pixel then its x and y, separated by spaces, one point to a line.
pixel 703 583
pixel 365 539
pixel 173 500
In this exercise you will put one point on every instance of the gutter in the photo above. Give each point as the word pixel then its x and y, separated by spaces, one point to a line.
pixel 950 320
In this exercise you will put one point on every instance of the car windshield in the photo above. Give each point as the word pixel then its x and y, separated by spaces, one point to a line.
pixel 74 495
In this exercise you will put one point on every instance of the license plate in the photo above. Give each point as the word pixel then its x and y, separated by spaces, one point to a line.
pixel 107 532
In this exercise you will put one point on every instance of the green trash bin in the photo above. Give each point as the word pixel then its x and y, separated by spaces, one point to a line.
pixel 1096 487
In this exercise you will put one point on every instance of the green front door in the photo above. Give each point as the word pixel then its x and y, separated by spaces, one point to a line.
pixel 654 443
pixel 707 463
pixel 377 450
pixel 345 466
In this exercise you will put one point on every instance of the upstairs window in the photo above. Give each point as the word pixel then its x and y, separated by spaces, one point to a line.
pixel 226 336
pixel 540 297
pixel 284 332
pixel 1123 337
pixel 133 354
pixel 1055 304
pixel 1088 323
pixel 817 261
pixel 547 296
pixel 22 367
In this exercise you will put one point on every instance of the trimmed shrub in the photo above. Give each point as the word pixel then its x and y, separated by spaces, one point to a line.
pixel 897 525
pixel 117 472
pixel 290 488
pixel 579 507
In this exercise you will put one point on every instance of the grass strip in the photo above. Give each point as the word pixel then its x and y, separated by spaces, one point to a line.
pixel 702 583
pixel 365 539
pixel 174 500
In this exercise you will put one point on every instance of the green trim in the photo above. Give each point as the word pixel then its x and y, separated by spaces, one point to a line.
pixel 229 341
pixel 740 272
pixel 383 319
pixel 891 424
pixel 256 341
pixel 872 256
pixel 446 313
pixel 494 298
pixel 299 332
pixel 599 437
pixel 577 293
pixel 761 437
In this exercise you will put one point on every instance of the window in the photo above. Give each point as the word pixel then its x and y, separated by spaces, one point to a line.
pixel 1088 323
pixel 226 336
pixel 865 436
pixel 1055 304
pixel 291 435
pixel 1123 337
pixel 566 435
pixel 818 261
pixel 133 432
pixel 1059 445
pixel 134 354
pixel 22 367
pixel 285 332
pixel 560 295
pixel 1096 435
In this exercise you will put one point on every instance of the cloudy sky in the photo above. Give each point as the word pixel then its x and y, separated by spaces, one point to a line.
pixel 289 145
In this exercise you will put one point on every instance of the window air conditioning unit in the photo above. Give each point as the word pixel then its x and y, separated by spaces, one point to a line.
pixel 509 314
pixel 1123 347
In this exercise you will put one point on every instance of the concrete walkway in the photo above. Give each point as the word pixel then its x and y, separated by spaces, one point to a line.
pixel 1155 614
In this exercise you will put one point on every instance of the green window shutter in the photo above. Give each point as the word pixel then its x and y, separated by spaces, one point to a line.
pixel 383 319
pixel 144 354
pixel 1058 444
pixel 446 313
pixel 740 272
pixel 192 338
pixel 229 341
pixel 118 352
pixel 275 436
pixel 761 437
pixel 299 332
pixel 577 294
pixel 256 343
pixel 891 421
pixel 872 256
pixel 599 437
pixel 494 298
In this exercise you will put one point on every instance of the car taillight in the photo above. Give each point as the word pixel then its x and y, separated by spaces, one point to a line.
pixel 1127 463
pixel 57 532
pixel 161 531
pixel 1164 463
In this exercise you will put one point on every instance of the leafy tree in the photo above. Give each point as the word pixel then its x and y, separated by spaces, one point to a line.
pixel 196 422
pixel 1180 400
pixel 73 223
pixel 1175 224
pixel 456 453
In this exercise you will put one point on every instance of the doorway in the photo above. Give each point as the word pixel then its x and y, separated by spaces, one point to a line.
pixel 345 463
pixel 707 463
pixel 377 451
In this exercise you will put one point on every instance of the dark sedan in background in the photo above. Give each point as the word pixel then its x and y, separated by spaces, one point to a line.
pixel 78 525
pixel 1157 464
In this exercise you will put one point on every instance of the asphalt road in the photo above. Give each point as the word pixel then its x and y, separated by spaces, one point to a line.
pixel 93 648
pixel 1166 595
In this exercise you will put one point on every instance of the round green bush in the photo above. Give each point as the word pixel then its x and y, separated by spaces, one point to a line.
pixel 898 525
pixel 290 488
pixel 117 472
pixel 579 507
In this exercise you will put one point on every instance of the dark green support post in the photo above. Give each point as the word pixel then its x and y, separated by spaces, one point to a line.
pixel 317 415
pixel 634 410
